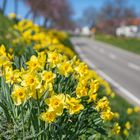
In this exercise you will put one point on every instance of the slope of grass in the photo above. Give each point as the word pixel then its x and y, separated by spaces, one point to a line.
pixel 120 105
pixel 130 44
pixel 5 23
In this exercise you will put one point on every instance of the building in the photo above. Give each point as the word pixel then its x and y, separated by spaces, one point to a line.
pixel 128 31
pixel 111 26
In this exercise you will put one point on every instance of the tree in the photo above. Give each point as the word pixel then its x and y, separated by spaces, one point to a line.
pixel 4 6
pixel 116 9
pixel 64 20
pixel 54 11
pixel 113 14
pixel 33 7
pixel 89 16
pixel 16 6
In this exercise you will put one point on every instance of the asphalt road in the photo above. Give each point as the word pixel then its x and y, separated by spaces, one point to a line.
pixel 119 67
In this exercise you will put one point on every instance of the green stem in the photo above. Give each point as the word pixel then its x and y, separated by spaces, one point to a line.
pixel 23 131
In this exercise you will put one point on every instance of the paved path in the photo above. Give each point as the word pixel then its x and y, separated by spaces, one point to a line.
pixel 120 68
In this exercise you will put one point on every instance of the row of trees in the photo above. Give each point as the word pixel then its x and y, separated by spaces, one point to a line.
pixel 109 16
pixel 4 4
pixel 117 9
pixel 114 14
pixel 56 13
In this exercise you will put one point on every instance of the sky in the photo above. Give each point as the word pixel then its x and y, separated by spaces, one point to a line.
pixel 78 6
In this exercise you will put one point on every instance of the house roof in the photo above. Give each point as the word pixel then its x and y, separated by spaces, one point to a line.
pixel 119 22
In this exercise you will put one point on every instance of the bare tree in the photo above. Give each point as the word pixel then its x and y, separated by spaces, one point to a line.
pixel 113 14
pixel 64 20
pixel 16 6
pixel 116 9
pixel 89 16
pixel 129 13
pixel 52 10
pixel 4 6
pixel 32 7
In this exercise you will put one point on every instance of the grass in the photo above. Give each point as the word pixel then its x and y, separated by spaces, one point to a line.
pixel 5 23
pixel 130 44
pixel 121 105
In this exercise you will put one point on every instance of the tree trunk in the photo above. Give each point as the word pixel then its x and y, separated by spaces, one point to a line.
pixel 16 6
pixel 4 6
pixel 34 17
pixel 31 10
pixel 27 14
pixel 45 22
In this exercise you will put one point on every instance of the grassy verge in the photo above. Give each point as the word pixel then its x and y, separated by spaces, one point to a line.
pixel 130 44
pixel 122 106
pixel 5 23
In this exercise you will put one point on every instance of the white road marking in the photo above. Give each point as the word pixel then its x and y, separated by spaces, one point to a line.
pixel 112 56
pixel 134 66
pixel 109 79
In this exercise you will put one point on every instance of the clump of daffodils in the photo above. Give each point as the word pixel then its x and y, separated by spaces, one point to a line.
pixel 50 93
pixel 28 34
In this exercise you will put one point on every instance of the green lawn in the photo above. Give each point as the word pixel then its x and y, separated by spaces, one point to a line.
pixel 130 44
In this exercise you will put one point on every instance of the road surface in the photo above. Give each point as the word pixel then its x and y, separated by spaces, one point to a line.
pixel 119 67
